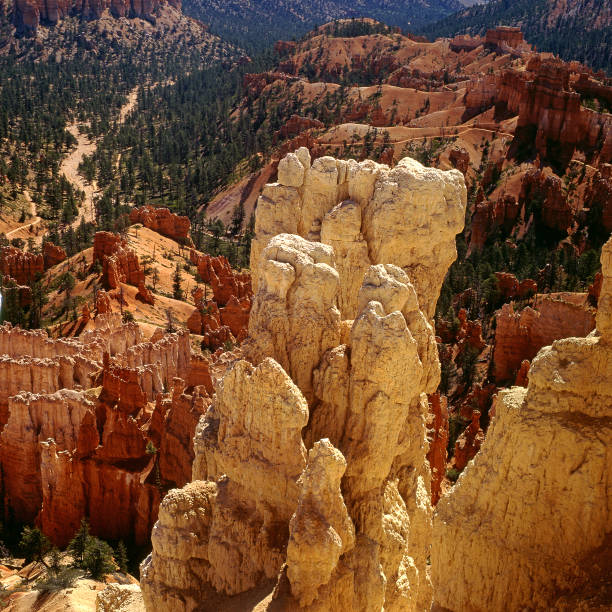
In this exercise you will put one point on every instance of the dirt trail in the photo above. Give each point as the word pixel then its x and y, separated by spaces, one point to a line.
pixel 85 146
pixel 29 229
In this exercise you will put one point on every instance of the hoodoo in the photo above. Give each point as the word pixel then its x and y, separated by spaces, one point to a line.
pixel 529 523
pixel 310 468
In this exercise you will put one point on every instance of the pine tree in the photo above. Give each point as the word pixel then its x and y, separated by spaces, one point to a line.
pixel 79 543
pixel 122 557
pixel 98 559
pixel 177 291
pixel 34 544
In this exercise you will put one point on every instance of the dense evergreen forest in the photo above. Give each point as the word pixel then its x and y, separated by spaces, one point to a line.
pixel 575 30
pixel 256 25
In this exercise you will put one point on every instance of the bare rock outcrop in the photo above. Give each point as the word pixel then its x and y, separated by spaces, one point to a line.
pixel 527 517
pixel 164 222
pixel 52 254
pixel 520 335
pixel 348 524
pixel 225 283
pixel 23 266
pixel 119 263
pixel 372 214
pixel 76 416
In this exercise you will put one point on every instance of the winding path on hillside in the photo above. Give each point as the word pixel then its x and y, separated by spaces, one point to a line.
pixel 70 165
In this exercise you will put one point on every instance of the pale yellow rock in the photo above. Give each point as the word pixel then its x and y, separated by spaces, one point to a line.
pixel 604 310
pixel 174 575
pixel 528 514
pixel 294 318
pixel 407 216
pixel 340 354
pixel 320 530
pixel 341 229
pixel 319 194
pixel 291 171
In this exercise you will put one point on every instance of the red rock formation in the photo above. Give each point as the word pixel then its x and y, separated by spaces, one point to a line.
pixel 520 335
pixel 296 125
pixel 24 267
pixel 52 255
pixel 164 222
pixel 119 263
pixel 510 287
pixel 556 209
pixel 470 332
pixel 460 159
pixel 66 454
pixel 437 433
pixel 235 314
pixel 503 37
pixel 490 215
pixel 29 14
pixel 550 112
pixel 595 289
pixel 522 376
pixel 103 303
pixel 182 413
pixel 144 294
pixel 217 272
pixel 468 443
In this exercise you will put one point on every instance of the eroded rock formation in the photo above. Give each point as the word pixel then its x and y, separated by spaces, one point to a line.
pixel 119 264
pixel 29 14
pixel 217 272
pixel 52 255
pixel 309 465
pixel 23 266
pixel 369 214
pixel 164 222
pixel 529 518
pixel 520 335
pixel 76 416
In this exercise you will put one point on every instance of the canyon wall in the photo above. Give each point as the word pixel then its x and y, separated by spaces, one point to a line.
pixel 528 523
pixel 164 222
pixel 30 14
pixel 520 335
pixel 309 466
pixel 76 417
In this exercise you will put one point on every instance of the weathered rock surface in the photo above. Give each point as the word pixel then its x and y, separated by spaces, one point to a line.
pixel 520 335
pixel 76 416
pixel 52 255
pixel 23 266
pixel 29 14
pixel 372 214
pixel 164 222
pixel 119 263
pixel 349 526
pixel 527 517
pixel 225 283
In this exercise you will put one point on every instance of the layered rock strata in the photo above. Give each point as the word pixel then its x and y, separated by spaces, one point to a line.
pixel 76 417
pixel 529 518
pixel 309 468
pixel 217 272
pixel 164 222
pixel 519 335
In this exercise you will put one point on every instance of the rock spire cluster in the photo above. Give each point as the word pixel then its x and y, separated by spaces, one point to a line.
pixel 310 469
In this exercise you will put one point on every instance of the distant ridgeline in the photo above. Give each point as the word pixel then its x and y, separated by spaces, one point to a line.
pixel 29 14
pixel 257 25
pixel 573 29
